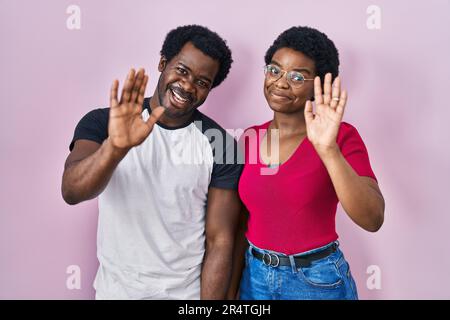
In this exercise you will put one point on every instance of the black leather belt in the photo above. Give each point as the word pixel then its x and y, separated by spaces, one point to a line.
pixel 275 260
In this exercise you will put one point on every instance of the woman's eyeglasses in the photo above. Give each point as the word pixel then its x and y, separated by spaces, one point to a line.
pixel 294 78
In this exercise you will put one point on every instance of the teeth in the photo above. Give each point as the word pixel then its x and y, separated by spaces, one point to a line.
pixel 178 97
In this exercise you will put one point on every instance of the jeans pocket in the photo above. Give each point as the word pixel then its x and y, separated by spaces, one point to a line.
pixel 322 273
pixel 247 258
pixel 344 269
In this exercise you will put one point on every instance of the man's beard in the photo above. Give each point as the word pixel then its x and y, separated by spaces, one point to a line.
pixel 174 114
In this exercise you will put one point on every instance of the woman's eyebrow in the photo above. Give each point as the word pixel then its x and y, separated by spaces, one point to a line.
pixel 300 69
pixel 274 62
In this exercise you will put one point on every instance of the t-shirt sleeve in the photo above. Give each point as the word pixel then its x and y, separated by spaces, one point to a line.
pixel 228 165
pixel 93 126
pixel 354 151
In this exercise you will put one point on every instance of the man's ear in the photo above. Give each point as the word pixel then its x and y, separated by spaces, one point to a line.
pixel 162 64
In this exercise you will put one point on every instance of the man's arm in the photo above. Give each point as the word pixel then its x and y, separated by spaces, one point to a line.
pixel 222 217
pixel 240 246
pixel 90 165
pixel 88 169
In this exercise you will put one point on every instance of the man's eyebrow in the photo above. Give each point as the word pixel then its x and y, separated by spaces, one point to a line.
pixel 295 69
pixel 205 78
pixel 185 66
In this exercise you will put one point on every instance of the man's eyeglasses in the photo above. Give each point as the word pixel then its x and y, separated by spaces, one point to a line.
pixel 294 78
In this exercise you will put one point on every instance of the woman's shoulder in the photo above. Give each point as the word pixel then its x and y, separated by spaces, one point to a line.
pixel 345 126
pixel 346 129
pixel 347 133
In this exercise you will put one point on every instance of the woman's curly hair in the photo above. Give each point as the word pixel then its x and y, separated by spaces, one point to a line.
pixel 312 43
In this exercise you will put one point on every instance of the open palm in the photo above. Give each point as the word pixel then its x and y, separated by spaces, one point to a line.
pixel 322 127
pixel 126 127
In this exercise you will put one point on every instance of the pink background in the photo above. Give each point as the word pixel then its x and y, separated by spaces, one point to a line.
pixel 397 78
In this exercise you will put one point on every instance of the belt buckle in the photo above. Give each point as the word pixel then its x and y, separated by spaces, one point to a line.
pixel 270 255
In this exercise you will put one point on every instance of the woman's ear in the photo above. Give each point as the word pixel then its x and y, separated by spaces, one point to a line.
pixel 162 64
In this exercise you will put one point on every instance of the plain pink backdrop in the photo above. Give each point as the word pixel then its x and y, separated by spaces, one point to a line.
pixel 397 78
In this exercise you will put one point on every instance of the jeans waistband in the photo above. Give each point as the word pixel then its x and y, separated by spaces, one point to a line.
pixel 295 254
pixel 304 259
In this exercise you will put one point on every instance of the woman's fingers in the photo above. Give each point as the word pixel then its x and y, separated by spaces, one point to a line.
pixel 335 93
pixel 318 98
pixel 342 103
pixel 309 115
pixel 327 89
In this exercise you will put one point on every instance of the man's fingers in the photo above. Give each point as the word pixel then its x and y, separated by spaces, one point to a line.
pixel 155 116
pixel 336 92
pixel 318 91
pixel 141 96
pixel 137 84
pixel 113 94
pixel 327 89
pixel 127 87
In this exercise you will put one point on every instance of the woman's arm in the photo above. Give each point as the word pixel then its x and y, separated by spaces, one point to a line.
pixel 360 197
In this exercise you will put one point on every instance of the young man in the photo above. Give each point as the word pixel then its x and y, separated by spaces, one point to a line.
pixel 167 189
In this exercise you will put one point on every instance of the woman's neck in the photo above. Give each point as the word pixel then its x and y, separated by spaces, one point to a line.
pixel 289 124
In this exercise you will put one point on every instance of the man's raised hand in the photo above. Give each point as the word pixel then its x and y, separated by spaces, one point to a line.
pixel 126 127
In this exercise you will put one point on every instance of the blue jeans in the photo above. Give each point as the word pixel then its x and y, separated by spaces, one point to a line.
pixel 328 278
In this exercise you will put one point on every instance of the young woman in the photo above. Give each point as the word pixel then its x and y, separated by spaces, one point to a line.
pixel 291 195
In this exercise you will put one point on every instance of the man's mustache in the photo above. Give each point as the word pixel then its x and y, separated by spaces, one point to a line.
pixel 185 95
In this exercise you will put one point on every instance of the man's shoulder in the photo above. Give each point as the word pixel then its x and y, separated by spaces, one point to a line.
pixel 205 123
pixel 210 128
pixel 97 115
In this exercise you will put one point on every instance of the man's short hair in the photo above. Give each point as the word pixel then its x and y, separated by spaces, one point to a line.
pixel 207 41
